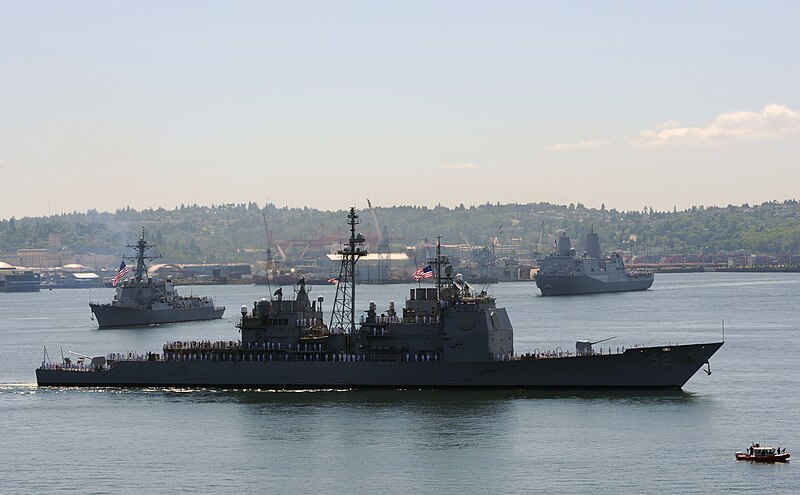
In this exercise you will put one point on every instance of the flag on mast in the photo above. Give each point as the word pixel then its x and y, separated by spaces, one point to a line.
pixel 123 269
pixel 426 272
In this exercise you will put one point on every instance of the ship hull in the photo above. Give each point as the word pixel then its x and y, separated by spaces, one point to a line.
pixel 562 285
pixel 646 368
pixel 23 287
pixel 20 283
pixel 114 316
pixel 762 458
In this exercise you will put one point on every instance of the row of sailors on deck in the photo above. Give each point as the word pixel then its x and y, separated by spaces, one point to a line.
pixel 278 346
pixel 201 344
pixel 778 450
pixel 131 356
pixel 230 344
pixel 385 319
pixel 183 303
pixel 557 353
pixel 308 322
pixel 341 357
pixel 67 366
pixel 397 319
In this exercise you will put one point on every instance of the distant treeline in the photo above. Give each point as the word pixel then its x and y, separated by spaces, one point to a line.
pixel 235 232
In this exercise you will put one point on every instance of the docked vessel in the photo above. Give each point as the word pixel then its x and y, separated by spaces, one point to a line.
pixel 564 273
pixel 142 300
pixel 18 279
pixel 69 279
pixel 763 453
pixel 447 336
pixel 290 278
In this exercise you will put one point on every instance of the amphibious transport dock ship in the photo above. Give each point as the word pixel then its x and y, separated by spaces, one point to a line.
pixel 145 301
pixel 564 273
pixel 447 336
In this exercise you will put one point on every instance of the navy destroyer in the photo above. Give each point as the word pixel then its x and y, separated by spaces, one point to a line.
pixel 447 336
pixel 142 300
pixel 564 273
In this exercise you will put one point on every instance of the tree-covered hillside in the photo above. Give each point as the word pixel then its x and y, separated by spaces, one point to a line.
pixel 235 232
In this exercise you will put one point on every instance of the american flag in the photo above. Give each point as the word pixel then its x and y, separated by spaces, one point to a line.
pixel 426 272
pixel 333 280
pixel 123 269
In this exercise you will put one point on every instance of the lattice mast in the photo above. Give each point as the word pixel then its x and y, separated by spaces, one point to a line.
pixel 344 310
pixel 442 269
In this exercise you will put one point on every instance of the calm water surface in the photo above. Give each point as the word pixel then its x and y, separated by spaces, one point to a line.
pixel 189 441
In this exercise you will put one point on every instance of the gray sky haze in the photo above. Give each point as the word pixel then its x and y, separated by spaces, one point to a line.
pixel 105 105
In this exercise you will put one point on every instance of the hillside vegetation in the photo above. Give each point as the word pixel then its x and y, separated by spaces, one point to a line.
pixel 235 232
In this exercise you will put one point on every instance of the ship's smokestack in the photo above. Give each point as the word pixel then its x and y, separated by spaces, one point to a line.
pixel 592 245
pixel 564 245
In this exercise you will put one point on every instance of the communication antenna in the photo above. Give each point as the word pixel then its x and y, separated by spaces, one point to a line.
pixel 141 257
pixel 344 312
pixel 269 265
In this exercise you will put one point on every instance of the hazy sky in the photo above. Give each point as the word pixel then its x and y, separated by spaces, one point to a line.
pixel 110 104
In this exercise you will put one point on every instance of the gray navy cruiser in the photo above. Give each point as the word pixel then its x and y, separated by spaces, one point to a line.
pixel 564 273
pixel 142 300
pixel 447 336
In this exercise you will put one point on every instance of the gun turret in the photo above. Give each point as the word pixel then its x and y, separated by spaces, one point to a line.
pixel 584 347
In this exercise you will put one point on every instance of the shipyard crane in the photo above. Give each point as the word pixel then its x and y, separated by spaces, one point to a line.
pixel 382 247
pixel 540 244
pixel 268 232
pixel 378 232
pixel 269 238
pixel 470 255
pixel 464 238
pixel 495 240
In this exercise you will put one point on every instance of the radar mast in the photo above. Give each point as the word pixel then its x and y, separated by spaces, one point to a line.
pixel 344 312
pixel 141 248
